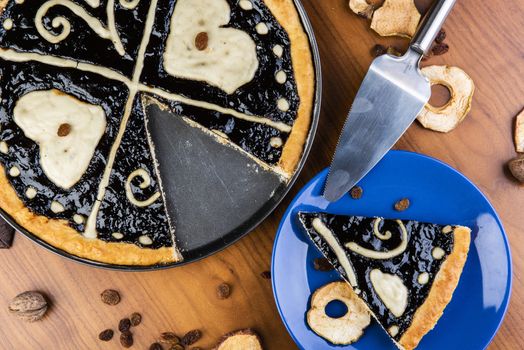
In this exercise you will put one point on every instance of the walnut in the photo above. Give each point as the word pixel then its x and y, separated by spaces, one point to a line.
pixel 29 306
pixel 516 166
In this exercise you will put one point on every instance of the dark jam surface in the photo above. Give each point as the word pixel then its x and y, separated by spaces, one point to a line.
pixel 117 213
pixel 82 43
pixel 18 79
pixel 416 259
pixel 253 138
pixel 258 97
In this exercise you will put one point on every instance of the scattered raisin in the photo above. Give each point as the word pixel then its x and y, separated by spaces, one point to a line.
pixel 322 264
pixel 394 51
pixel 177 347
pixel 106 335
pixel 402 204
pixel 110 297
pixel 266 275
pixel 356 192
pixel 126 339
pixel 440 49
pixel 223 291
pixel 136 319
pixel 441 36
pixel 201 41
pixel 124 325
pixel 64 130
pixel 156 346
pixel 191 337
pixel 378 50
pixel 169 337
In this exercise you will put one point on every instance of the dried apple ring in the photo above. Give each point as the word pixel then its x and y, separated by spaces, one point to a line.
pixel 519 132
pixel 346 329
pixel 361 8
pixel 461 88
pixel 396 18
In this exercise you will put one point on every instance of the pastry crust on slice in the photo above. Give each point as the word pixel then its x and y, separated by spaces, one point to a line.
pixel 441 291
pixel 60 235
pixel 287 15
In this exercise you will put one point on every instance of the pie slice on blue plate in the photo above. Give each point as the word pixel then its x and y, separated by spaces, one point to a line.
pixel 405 271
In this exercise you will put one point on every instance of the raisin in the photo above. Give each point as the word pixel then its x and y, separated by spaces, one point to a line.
pixel 191 337
pixel 201 41
pixel 64 130
pixel 110 297
pixel 394 51
pixel 322 264
pixel 378 50
pixel 223 291
pixel 356 192
pixel 440 49
pixel 136 319
pixel 124 325
pixel 169 337
pixel 156 346
pixel 441 36
pixel 126 339
pixel 177 347
pixel 266 275
pixel 402 204
pixel 106 335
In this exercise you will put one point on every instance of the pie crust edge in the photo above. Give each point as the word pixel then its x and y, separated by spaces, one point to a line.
pixel 441 292
pixel 60 235
pixel 287 15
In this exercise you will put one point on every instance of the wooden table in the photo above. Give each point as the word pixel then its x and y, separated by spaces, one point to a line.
pixel 485 40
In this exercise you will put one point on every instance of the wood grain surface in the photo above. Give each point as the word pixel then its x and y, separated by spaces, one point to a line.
pixel 485 40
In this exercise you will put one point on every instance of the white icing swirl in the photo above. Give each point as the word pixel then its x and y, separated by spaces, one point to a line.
pixel 146 182
pixel 373 254
pixel 109 32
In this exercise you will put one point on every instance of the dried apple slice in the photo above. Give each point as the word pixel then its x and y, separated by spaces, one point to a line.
pixel 461 88
pixel 519 132
pixel 396 18
pixel 343 330
pixel 361 8
pixel 244 339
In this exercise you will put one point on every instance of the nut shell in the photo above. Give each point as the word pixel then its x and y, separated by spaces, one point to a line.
pixel 461 88
pixel 516 167
pixel 29 306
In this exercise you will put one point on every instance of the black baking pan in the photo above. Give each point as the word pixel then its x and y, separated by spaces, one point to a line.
pixel 218 194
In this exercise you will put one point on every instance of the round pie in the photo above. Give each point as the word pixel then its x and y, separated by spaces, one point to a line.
pixel 79 166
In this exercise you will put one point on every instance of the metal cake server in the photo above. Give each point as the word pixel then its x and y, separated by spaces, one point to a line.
pixel 391 96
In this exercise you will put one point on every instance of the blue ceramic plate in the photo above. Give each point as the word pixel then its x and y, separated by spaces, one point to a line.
pixel 438 194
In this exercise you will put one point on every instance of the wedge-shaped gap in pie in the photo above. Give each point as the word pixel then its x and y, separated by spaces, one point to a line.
pixel 213 188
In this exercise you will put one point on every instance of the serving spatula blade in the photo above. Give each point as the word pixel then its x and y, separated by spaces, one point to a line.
pixel 391 96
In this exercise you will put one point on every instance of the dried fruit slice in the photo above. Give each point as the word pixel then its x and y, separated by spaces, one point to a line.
pixel 244 339
pixel 519 132
pixel 343 330
pixel 461 88
pixel 361 8
pixel 396 18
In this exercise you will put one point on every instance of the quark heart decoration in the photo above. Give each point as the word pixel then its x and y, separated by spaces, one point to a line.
pixel 199 49
pixel 66 129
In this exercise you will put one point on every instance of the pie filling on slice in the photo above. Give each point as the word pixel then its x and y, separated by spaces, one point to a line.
pixel 78 168
pixel 405 271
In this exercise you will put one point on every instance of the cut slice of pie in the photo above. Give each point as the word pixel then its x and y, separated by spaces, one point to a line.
pixel 405 271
